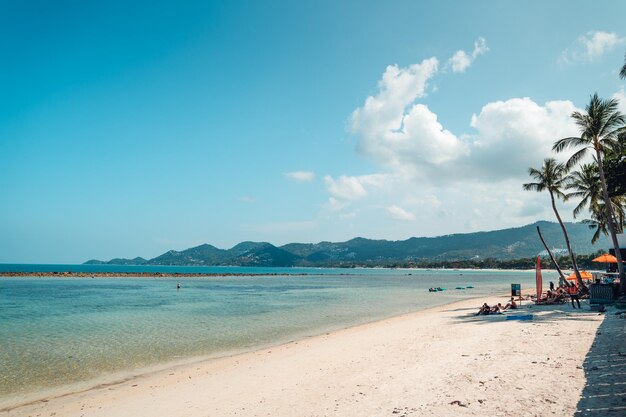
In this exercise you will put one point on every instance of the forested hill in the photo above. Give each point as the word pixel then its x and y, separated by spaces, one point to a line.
pixel 506 244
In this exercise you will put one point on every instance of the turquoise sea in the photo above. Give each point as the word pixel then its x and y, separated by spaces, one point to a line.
pixel 60 331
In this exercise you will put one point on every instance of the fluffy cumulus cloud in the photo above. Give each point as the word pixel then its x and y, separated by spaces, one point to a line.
pixel 591 45
pixel 461 60
pixel 442 181
pixel 514 134
pixel 398 88
pixel 301 176
pixel 396 131
pixel 407 140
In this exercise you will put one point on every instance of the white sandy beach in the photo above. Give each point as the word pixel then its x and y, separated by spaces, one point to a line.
pixel 439 362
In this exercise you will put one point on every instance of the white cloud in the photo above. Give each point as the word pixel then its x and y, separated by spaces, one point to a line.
pixel 345 188
pixel 301 176
pixel 461 60
pixel 591 46
pixel 515 134
pixel 399 213
pixel 441 181
pixel 427 200
pixel 406 139
pixel 597 43
pixel 621 96
pixel 398 88
pixel 334 205
pixel 352 187
pixel 394 130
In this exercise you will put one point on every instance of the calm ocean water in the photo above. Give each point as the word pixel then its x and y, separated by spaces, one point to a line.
pixel 62 331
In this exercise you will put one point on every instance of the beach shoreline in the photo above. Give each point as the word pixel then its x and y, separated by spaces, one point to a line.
pixel 394 355
pixel 155 274
pixel 114 378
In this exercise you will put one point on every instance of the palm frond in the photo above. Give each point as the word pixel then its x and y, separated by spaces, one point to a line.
pixel 581 206
pixel 571 142
pixel 574 159
pixel 612 125
pixel 552 177
pixel 534 186
pixel 596 235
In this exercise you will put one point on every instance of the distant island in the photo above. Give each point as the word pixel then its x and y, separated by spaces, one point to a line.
pixel 498 248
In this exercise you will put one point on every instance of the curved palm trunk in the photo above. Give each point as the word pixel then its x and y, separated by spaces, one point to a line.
pixel 562 279
pixel 579 279
pixel 611 223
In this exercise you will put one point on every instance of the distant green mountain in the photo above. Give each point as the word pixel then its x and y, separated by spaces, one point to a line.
pixel 200 255
pixel 506 244
pixel 119 261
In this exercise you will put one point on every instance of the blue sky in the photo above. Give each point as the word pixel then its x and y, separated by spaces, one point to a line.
pixel 131 128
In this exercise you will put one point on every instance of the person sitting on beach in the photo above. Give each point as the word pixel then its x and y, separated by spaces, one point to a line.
pixel 496 309
pixel 485 309
pixel 511 304
pixel 555 297
pixel 559 296
pixel 551 297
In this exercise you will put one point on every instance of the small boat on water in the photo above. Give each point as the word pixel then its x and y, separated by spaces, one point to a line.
pixel 436 289
pixel 469 286
pixel 459 288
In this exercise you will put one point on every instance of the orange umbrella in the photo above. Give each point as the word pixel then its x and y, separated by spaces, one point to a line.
pixel 583 275
pixel 606 258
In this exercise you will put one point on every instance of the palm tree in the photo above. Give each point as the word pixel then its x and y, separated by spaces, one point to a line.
pixel 622 73
pixel 586 185
pixel 598 219
pixel 600 127
pixel 552 177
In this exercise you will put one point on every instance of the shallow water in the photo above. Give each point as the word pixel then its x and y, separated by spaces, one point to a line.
pixel 61 331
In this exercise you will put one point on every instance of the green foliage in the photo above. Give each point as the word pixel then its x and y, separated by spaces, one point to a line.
pixel 551 177
pixel 615 169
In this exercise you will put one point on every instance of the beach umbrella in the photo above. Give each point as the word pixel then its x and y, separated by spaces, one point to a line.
pixel 607 258
pixel 583 275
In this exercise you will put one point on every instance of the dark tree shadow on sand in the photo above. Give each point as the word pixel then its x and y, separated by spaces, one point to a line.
pixel 604 394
